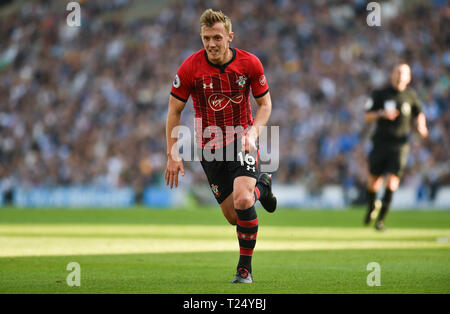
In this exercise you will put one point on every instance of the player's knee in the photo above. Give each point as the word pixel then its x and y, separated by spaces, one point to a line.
pixel 243 201
pixel 393 183
pixel 372 188
pixel 374 183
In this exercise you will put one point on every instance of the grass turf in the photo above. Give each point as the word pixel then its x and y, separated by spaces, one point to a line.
pixel 195 251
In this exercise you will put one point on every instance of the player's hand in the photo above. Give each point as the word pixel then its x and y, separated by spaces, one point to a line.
pixel 249 142
pixel 389 114
pixel 423 131
pixel 172 169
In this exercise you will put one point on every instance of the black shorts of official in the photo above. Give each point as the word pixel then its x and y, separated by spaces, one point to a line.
pixel 223 165
pixel 384 159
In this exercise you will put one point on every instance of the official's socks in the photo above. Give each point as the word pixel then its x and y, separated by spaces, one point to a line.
pixel 387 198
pixel 370 201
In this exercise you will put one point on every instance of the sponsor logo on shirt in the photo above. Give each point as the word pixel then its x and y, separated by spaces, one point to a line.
pixel 210 85
pixel 218 101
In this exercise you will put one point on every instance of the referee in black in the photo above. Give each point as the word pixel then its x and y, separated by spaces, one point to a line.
pixel 395 109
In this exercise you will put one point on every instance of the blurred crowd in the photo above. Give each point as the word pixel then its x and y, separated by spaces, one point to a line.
pixel 87 105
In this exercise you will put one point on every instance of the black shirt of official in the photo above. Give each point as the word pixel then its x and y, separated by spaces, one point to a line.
pixel 394 132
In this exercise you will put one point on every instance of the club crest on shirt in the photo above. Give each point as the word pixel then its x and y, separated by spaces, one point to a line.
pixel 241 81
pixel 406 108
pixel 215 190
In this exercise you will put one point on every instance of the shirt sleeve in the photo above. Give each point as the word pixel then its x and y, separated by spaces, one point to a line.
pixel 258 80
pixel 181 86
pixel 373 103
pixel 416 106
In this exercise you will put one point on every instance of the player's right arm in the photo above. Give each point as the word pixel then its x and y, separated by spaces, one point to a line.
pixel 375 110
pixel 371 116
pixel 181 89
pixel 174 162
pixel 381 114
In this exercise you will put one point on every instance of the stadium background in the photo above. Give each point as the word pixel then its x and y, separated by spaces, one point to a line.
pixel 82 114
pixel 82 109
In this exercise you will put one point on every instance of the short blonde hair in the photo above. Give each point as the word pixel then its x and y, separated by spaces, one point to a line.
pixel 210 17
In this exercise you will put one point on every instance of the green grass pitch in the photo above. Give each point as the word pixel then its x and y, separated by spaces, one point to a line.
pixel 194 251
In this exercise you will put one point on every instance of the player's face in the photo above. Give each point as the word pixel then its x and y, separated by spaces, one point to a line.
pixel 216 41
pixel 401 76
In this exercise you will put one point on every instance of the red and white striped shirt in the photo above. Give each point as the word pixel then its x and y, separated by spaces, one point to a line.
pixel 220 93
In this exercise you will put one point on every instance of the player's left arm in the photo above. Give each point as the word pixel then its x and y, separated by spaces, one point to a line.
pixel 422 125
pixel 262 115
pixel 260 90
pixel 421 121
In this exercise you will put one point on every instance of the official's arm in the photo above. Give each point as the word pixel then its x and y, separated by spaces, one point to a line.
pixel 422 125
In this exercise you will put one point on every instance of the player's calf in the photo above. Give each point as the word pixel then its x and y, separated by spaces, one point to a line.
pixel 247 231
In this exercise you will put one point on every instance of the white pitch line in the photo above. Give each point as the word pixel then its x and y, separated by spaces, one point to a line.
pixel 44 246
pixel 66 240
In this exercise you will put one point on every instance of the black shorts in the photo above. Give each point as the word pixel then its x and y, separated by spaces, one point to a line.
pixel 391 159
pixel 222 171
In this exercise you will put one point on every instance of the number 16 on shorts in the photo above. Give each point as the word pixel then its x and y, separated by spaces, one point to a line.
pixel 247 160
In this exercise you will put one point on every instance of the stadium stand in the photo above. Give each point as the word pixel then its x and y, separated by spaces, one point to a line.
pixel 86 106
